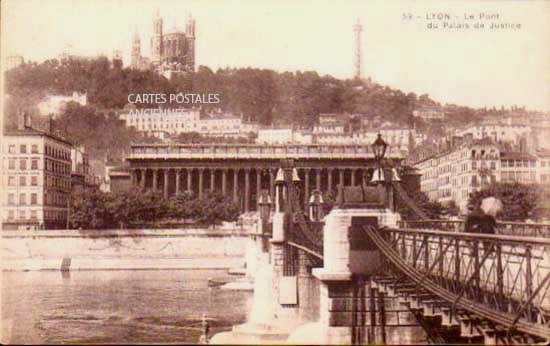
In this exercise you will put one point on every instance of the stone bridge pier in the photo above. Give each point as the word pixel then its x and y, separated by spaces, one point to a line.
pixel 352 308
pixel 336 302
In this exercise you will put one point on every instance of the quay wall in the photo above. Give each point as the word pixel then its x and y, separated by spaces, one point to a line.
pixel 123 249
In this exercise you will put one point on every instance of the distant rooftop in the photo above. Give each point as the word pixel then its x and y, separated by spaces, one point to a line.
pixel 28 131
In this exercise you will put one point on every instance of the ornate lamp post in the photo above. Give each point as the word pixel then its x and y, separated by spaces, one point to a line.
pixel 379 149
pixel 264 205
pixel 316 203
pixel 382 174
pixel 286 176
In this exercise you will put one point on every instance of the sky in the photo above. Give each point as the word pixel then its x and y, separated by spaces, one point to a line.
pixel 467 66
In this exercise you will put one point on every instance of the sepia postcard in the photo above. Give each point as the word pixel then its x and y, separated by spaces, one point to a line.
pixel 275 172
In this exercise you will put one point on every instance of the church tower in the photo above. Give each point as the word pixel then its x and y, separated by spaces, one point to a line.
pixel 156 40
pixel 190 33
pixel 136 51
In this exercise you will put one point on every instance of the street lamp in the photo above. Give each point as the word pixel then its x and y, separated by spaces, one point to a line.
pixel 264 204
pixel 281 188
pixel 379 149
pixel 316 203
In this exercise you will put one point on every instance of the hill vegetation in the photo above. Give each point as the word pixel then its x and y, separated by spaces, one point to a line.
pixel 260 95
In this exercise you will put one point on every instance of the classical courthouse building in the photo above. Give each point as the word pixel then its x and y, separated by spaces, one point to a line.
pixel 36 178
pixel 242 171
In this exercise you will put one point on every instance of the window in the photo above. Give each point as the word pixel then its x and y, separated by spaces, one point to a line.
pixel 11 198
pixel 11 149
pixel 34 180
pixel 532 163
pixel 11 181
pixel 34 164
pixel 34 149
pixel 23 148
pixel 22 181
pixel 493 165
pixel 34 198
pixel 33 214
pixel 11 215
pixel 22 199
pixel 474 164
pixel 11 164
pixel 22 164
pixel 22 214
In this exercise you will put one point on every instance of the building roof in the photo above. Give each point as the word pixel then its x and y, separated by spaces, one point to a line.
pixel 119 171
pixel 543 152
pixel 516 155
pixel 34 132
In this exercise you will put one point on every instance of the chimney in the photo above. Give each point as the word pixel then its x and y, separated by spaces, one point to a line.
pixel 27 120
pixel 523 144
pixel 20 120
pixel 50 125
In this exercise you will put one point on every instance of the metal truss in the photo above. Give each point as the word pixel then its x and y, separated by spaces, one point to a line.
pixel 501 279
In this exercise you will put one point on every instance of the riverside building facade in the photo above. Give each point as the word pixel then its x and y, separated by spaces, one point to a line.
pixel 453 174
pixel 36 179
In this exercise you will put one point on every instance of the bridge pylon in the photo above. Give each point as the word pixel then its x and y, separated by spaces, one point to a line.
pixel 352 309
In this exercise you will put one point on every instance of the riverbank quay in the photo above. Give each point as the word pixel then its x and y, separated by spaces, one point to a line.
pixel 130 249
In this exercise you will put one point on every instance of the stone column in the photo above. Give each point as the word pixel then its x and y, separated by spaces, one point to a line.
pixel 341 178
pixel 155 177
pixel 306 187
pixel 224 181
pixel 235 184
pixel 272 183
pixel 246 189
pixel 318 179
pixel 329 173
pixel 353 171
pixel 258 185
pixel 143 176
pixel 212 179
pixel 189 172
pixel 166 171
pixel 177 181
pixel 201 183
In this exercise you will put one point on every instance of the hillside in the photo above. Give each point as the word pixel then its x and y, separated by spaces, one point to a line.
pixel 259 95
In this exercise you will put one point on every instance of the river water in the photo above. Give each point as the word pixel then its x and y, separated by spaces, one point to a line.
pixel 126 306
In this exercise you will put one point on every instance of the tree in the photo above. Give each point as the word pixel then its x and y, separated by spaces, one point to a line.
pixel 134 208
pixel 519 200
pixel 433 209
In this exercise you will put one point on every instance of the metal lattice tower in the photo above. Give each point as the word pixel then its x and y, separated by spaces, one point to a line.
pixel 357 28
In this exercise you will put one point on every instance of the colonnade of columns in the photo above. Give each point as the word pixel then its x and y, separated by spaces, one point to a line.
pixel 240 182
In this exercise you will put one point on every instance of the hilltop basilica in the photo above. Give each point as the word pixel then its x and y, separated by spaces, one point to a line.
pixel 171 52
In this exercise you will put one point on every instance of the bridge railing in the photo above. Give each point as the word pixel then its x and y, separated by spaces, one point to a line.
pixel 503 228
pixel 509 275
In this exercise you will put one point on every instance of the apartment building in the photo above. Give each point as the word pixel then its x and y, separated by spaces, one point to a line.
pixel 36 179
